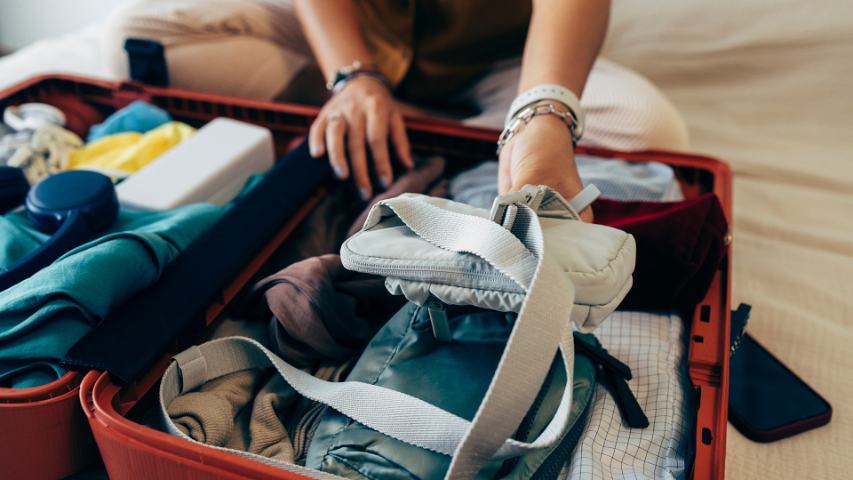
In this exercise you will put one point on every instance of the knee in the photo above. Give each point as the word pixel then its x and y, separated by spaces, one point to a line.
pixel 627 112
pixel 658 124
pixel 200 52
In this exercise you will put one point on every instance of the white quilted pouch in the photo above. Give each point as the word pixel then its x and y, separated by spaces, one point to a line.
pixel 428 246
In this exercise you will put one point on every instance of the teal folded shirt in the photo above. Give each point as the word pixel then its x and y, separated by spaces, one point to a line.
pixel 92 279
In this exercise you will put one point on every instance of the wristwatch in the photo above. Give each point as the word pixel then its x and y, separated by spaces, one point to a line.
pixel 354 70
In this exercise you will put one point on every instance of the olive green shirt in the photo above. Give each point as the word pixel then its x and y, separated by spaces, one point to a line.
pixel 431 49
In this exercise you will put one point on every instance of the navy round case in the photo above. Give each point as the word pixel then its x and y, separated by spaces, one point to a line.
pixel 73 205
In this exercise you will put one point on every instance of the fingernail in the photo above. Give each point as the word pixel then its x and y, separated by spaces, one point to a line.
pixel 315 151
pixel 365 194
pixel 338 171
pixel 385 180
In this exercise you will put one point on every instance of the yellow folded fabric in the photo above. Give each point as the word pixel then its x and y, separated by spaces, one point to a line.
pixel 123 154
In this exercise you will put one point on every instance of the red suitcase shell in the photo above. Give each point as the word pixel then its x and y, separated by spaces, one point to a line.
pixel 133 451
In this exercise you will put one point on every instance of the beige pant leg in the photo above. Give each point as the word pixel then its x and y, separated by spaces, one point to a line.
pixel 247 48
pixel 624 111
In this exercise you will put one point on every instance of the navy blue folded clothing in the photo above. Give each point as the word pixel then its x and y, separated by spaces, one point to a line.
pixel 131 339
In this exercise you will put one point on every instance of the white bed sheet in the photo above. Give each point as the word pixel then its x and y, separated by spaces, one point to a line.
pixel 77 53
pixel 765 86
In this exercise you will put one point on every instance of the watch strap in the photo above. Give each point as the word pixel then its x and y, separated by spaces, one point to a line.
pixel 355 70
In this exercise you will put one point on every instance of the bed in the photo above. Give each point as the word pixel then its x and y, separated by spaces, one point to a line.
pixel 765 86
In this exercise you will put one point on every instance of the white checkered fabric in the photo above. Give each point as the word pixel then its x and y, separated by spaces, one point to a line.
pixel 653 345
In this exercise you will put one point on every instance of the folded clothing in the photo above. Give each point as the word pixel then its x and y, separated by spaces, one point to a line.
pixel 136 334
pixel 123 154
pixel 252 410
pixel 43 316
pixel 341 212
pixel 320 311
pixel 267 417
pixel 323 312
pixel 137 117
pixel 39 153
pixel 653 346
pixel 616 179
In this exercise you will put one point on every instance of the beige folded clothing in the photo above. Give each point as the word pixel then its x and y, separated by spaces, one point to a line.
pixel 251 410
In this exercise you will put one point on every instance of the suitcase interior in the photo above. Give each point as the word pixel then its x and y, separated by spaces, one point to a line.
pixel 131 450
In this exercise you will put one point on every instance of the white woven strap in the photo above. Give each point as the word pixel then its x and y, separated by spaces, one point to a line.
pixel 542 325
pixel 395 414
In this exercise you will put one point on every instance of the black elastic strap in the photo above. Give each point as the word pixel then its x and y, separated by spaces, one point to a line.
pixel 147 61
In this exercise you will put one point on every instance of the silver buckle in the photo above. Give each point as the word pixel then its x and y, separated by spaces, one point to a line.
pixel 505 206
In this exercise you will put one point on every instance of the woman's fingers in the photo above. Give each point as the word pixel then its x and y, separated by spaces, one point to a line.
pixel 358 155
pixel 316 144
pixel 401 140
pixel 377 138
pixel 355 118
pixel 336 129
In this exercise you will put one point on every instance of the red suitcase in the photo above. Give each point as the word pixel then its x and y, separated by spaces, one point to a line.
pixel 131 450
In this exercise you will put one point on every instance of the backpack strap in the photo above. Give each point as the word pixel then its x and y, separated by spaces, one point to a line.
pixel 542 327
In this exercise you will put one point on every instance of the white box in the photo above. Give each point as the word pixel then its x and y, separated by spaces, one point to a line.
pixel 210 166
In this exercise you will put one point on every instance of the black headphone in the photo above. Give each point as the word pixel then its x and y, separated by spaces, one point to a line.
pixel 73 205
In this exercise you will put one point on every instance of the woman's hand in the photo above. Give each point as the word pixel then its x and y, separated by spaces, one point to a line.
pixel 541 154
pixel 361 115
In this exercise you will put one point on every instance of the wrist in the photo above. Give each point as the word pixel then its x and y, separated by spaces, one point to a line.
pixel 551 123
pixel 357 69
pixel 546 127
pixel 538 115
pixel 364 83
pixel 553 94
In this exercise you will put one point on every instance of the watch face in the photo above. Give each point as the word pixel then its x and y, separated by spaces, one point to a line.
pixel 343 73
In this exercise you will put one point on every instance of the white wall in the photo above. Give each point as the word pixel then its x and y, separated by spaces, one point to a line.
pixel 25 21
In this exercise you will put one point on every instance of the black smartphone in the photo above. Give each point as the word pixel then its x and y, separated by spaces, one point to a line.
pixel 767 401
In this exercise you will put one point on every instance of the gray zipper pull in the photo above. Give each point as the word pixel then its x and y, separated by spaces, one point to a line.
pixel 438 319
